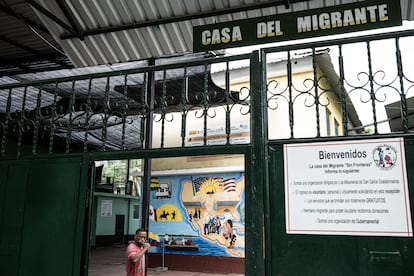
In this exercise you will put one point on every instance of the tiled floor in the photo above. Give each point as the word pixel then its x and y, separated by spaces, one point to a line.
pixel 111 262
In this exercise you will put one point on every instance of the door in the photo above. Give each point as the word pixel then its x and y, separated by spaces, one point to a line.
pixel 119 228
pixel 42 217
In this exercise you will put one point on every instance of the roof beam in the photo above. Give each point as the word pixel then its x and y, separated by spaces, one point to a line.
pixel 18 45
pixel 19 69
pixel 155 22
pixel 5 62
pixel 29 50
pixel 24 19
pixel 71 18
pixel 53 17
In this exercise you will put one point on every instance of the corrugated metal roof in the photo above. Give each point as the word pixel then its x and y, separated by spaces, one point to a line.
pixel 25 44
pixel 124 30
pixel 42 35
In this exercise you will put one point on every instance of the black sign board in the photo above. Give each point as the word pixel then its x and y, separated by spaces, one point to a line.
pixel 359 16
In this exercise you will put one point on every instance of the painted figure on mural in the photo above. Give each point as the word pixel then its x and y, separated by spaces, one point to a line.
pixel 206 220
pixel 228 232
pixel 217 224
pixel 211 206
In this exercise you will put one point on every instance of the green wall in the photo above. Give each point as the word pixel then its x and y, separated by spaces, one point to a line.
pixel 121 205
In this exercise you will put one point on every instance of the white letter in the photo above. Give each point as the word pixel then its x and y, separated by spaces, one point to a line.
pixel 237 35
pixel 360 16
pixel 372 15
pixel 215 37
pixel 225 35
pixel 206 37
pixel 315 22
pixel 304 24
pixel 261 30
pixel 348 18
pixel 383 13
pixel 278 30
pixel 336 19
pixel 324 21
pixel 270 28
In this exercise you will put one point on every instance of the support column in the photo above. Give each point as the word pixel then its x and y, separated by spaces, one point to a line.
pixel 258 167
pixel 146 179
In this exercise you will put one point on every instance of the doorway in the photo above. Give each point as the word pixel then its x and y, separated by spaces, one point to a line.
pixel 119 229
pixel 180 198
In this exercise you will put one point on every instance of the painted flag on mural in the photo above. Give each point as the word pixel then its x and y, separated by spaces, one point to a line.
pixel 197 183
pixel 153 236
pixel 229 184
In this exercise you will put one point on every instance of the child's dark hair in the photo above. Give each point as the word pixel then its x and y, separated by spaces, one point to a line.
pixel 140 230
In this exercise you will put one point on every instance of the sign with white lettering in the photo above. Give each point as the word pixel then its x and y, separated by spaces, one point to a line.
pixel 106 208
pixel 239 134
pixel 337 19
pixel 347 188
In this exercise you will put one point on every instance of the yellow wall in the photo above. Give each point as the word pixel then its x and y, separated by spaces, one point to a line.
pixel 197 162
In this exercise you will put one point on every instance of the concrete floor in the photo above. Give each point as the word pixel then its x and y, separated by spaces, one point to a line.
pixel 110 261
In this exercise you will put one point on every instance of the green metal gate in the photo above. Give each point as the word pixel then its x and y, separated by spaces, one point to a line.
pixel 319 255
pixel 325 254
pixel 42 216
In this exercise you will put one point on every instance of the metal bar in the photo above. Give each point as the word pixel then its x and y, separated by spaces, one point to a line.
pixel 205 105
pixel 54 114
pixel 146 179
pixel 87 116
pixel 290 87
pixel 228 100
pixel 184 108
pixel 254 264
pixel 371 87
pixel 5 124
pixel 124 113
pixel 265 163
pixel 404 108
pixel 343 92
pixel 163 104
pixel 67 11
pixel 316 89
pixel 37 121
pixel 106 113
pixel 21 122
pixel 145 109
pixel 70 120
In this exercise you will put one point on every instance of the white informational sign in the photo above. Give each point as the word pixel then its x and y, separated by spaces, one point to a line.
pixel 106 208
pixel 239 134
pixel 347 188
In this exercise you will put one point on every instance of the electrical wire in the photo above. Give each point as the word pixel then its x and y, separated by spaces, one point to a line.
pixel 45 40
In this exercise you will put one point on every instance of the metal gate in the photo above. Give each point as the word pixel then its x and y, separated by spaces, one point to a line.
pixel 364 84
pixel 42 211
pixel 283 95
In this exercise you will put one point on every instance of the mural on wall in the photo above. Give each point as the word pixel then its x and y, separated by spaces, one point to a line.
pixel 198 214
